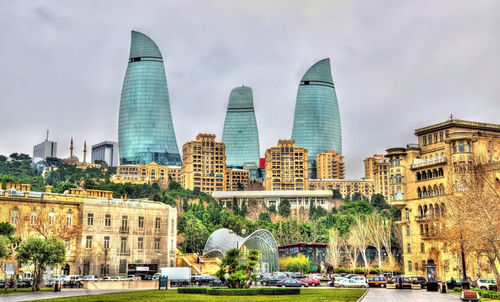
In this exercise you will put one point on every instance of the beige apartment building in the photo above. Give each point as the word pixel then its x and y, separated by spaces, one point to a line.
pixel 421 176
pixel 204 166
pixel 103 235
pixel 346 187
pixel 330 165
pixel 286 167
pixel 377 168
pixel 147 174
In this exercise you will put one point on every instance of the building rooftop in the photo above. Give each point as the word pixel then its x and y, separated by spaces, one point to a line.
pixel 458 123
pixel 282 193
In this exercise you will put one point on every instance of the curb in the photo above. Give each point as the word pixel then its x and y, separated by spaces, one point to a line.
pixel 361 298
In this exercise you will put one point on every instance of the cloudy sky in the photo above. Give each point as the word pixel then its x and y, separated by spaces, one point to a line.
pixel 397 65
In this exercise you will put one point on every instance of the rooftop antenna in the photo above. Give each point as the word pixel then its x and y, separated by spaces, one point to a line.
pixel 451 116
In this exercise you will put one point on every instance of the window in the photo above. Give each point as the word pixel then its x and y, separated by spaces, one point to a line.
pixel 424 140
pixel 33 218
pixel 407 230
pixel 407 214
pixel 416 266
pixel 124 226
pixel 140 243
pixel 141 222
pixel 441 136
pixel 173 227
pixel 422 247
pixel 435 137
pixel 106 242
pixel 157 243
pixel 88 242
pixel 52 218
pixel 123 245
pixel 429 138
pixel 14 217
pixel 158 222
pixel 409 265
pixel 107 221
pixel 104 269
pixel 68 246
pixel 69 219
pixel 123 266
pixel 90 219
pixel 408 248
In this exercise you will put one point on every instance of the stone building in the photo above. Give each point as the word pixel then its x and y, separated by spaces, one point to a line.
pixel 103 235
pixel 377 168
pixel 330 165
pixel 420 179
pixel 286 167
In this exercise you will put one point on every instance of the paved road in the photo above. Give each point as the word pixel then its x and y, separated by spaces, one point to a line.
pixel 407 295
pixel 63 294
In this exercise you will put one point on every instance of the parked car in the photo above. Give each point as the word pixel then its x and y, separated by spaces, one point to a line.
pixel 353 282
pixel 200 279
pixel 74 281
pixel 421 280
pixel 350 276
pixel 111 278
pixel 401 282
pixel 215 283
pixel 296 276
pixel 310 281
pixel 377 281
pixel 133 278
pixel 291 283
pixel 156 276
pixel 62 278
pixel 486 283
pixel 270 281
pixel 89 278
pixel 315 276
pixel 48 282
pixel 452 283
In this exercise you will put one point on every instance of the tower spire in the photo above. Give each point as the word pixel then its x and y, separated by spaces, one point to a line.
pixel 84 151
pixel 71 148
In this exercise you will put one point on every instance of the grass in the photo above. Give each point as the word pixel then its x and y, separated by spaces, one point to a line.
pixel 20 291
pixel 335 295
pixel 482 299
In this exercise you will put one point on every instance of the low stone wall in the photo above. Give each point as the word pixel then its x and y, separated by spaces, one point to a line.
pixel 146 284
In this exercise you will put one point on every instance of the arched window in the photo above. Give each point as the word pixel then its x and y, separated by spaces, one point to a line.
pixel 431 210
pixel 407 230
pixel 424 175
pixel 33 218
pixel 440 172
pixel 442 209
pixel 421 229
pixel 422 247
pixel 425 211
pixel 441 189
pixel 419 177
pixel 434 173
pixel 435 190
pixel 409 265
pixel 408 248
pixel 426 230
pixel 419 193
pixel 429 190
pixel 420 211
pixel 429 174
pixel 407 214
pixel 424 192
pixel 437 210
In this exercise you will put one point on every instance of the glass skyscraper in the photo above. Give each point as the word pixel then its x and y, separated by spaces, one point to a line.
pixel 240 134
pixel 316 124
pixel 145 128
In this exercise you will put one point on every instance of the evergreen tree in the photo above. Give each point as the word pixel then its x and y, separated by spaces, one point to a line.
pixel 284 208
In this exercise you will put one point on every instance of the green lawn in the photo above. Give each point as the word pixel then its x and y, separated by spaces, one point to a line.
pixel 20 290
pixel 335 295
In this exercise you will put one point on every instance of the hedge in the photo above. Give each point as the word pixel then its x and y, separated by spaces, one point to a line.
pixel 487 293
pixel 239 291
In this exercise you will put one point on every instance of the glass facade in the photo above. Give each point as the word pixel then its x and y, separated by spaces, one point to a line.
pixel 240 134
pixel 223 240
pixel 145 129
pixel 316 124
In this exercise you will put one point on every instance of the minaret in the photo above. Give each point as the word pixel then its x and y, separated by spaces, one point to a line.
pixel 84 151
pixel 71 149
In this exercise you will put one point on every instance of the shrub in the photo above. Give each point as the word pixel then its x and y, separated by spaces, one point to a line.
pixel 415 281
pixel 375 270
pixel 390 281
pixel 239 291
pixel 341 270
pixel 358 270
pixel 457 289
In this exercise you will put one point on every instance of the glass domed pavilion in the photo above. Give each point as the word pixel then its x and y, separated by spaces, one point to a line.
pixel 223 240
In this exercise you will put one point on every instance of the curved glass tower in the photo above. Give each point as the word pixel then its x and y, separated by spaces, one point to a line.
pixel 145 128
pixel 240 134
pixel 316 123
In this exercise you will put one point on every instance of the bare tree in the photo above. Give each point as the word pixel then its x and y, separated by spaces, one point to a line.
pixel 360 237
pixel 375 234
pixel 350 250
pixel 334 243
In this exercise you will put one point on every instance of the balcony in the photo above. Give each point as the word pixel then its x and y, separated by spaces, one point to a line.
pixel 398 203
pixel 421 218
pixel 124 229
pixel 420 163
pixel 124 252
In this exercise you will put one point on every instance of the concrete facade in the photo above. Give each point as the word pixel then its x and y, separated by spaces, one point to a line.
pixel 286 167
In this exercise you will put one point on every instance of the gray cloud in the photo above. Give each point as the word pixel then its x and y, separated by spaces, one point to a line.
pixel 396 65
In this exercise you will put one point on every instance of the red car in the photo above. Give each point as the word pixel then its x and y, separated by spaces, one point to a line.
pixel 310 281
